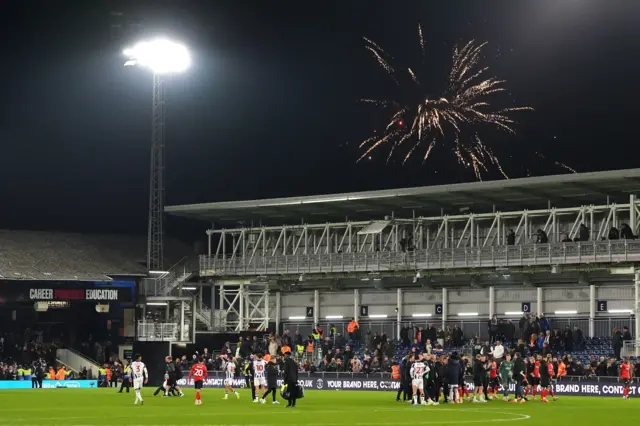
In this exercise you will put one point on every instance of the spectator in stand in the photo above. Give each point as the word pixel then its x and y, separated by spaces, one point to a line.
pixel 273 347
pixel 256 346
pixel 568 339
pixel 533 344
pixel 286 339
pixel 612 368
pixel 385 366
pixel 584 232
pixel 636 370
pixel 493 328
pixel 353 329
pixel 427 347
pixel 616 343
pixel 498 352
pixel 375 365
pixel 626 233
pixel 416 345
pixel 601 367
pixel 356 365
pixel 404 337
pixel 522 324
pixel 348 353
pixel 298 339
pixel 626 334
pixel 441 336
pixel 544 323
pixel 578 338
pixel 521 348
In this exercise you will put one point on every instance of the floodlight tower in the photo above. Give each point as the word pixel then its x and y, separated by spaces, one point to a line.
pixel 161 57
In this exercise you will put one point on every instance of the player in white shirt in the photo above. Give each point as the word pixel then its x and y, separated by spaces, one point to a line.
pixel 140 377
pixel 230 372
pixel 418 369
pixel 259 379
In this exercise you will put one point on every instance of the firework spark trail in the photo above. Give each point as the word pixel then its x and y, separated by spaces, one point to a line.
pixel 464 104
pixel 564 166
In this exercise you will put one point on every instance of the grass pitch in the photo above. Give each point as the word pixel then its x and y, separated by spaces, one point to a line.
pixel 318 408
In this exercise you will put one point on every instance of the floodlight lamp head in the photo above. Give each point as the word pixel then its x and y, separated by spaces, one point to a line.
pixel 161 56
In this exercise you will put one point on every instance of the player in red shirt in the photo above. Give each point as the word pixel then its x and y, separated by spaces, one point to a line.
pixel 199 373
pixel 625 376
pixel 536 375
pixel 494 382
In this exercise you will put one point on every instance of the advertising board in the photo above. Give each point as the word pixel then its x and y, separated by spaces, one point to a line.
pixel 49 384
pixel 581 388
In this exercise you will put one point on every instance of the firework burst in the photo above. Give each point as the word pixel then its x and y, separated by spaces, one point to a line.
pixel 420 123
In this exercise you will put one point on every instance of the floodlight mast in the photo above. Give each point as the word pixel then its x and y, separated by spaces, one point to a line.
pixel 161 57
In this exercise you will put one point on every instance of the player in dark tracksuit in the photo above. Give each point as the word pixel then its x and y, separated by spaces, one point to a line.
pixel 455 375
pixel 272 380
pixel 406 377
pixel 403 379
pixel 248 376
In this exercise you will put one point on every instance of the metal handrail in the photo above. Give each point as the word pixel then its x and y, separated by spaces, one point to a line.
pixel 166 280
pixel 429 259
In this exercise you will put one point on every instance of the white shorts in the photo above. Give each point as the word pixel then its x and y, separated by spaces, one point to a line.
pixel 228 382
pixel 260 382
pixel 138 383
pixel 419 383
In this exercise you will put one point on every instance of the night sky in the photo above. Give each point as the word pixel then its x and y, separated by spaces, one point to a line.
pixel 270 108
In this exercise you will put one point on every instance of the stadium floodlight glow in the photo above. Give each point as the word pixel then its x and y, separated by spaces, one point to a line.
pixel 190 288
pixel 565 312
pixel 334 317
pixel 514 313
pixel 161 56
pixel 420 315
pixel 468 314
pixel 620 311
pixel 298 318
pixel 378 316
pixel 156 303
pixel 158 272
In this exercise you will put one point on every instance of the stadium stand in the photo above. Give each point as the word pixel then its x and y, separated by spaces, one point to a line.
pixel 37 255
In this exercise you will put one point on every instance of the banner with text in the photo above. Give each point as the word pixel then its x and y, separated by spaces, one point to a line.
pixel 582 388
pixel 49 384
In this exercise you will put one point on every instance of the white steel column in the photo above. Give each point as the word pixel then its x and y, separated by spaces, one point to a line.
pixel 192 334
pixel 539 301
pixel 316 307
pixel 278 312
pixel 241 310
pixel 445 307
pixel 182 320
pixel 492 301
pixel 213 308
pixel 637 309
pixel 592 310
pixel 632 214
pixel 356 304
pixel 399 312
pixel 266 308
pixel 209 234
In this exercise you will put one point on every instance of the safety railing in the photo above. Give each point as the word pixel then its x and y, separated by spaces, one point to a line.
pixel 603 327
pixel 452 258
pixel 630 348
pixel 158 332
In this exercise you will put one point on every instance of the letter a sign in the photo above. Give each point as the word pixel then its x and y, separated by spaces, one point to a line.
pixel 309 311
